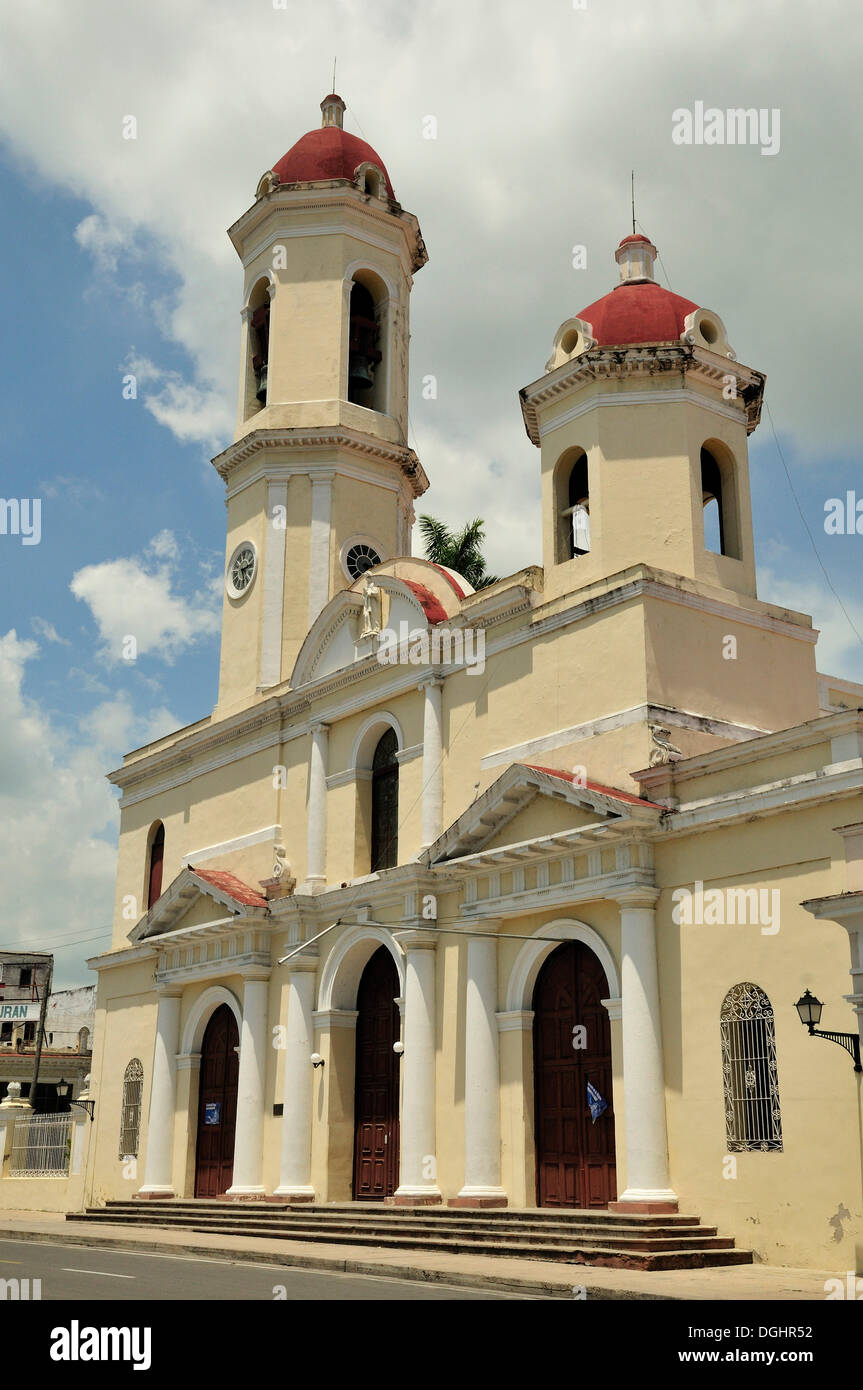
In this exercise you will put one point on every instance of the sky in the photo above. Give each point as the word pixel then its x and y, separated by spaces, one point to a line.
pixel 114 260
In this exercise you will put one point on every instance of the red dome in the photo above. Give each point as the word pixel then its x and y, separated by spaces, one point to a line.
pixel 328 153
pixel 638 313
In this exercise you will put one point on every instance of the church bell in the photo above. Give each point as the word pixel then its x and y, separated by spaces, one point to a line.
pixel 363 337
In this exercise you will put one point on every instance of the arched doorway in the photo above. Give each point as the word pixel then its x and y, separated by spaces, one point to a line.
pixel 217 1105
pixel 376 1125
pixel 575 1156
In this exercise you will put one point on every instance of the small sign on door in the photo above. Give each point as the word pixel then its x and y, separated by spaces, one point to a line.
pixel 212 1112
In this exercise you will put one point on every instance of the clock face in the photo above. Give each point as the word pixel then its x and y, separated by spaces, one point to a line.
pixel 241 569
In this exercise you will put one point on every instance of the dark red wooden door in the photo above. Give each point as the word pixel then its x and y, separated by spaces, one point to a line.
pixel 376 1142
pixel 217 1106
pixel 575 1157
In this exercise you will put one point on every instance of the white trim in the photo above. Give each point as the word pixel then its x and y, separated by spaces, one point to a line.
pixel 351 229
pixel 335 1018
pixel 272 602
pixel 380 719
pixel 202 1010
pixel 346 962
pixel 256 837
pixel 365 264
pixel 516 1021
pixel 320 535
pixel 680 396
pixel 636 714
pixel 522 977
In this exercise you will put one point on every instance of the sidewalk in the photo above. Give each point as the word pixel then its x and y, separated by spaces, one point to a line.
pixel 529 1277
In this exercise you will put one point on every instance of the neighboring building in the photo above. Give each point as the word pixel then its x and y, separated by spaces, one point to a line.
pixel 69 1020
pixel 480 873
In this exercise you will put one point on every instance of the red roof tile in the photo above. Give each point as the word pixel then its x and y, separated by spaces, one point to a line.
pixel 230 884
pixel 597 787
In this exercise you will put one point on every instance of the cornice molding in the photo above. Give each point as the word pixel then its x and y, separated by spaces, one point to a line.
pixel 644 360
pixel 322 437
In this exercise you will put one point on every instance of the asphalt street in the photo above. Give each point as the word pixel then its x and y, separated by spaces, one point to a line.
pixel 70 1273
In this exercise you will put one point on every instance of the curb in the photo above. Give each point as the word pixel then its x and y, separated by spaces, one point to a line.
pixel 468 1280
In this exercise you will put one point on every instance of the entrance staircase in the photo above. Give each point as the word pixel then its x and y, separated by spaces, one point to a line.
pixel 611 1239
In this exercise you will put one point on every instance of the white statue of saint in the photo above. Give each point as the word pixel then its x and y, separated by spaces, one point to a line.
pixel 371 609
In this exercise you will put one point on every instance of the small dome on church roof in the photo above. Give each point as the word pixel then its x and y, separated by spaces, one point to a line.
pixel 330 152
pixel 637 310
pixel 641 312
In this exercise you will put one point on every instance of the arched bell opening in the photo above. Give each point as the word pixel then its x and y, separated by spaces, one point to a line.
pixel 258 348
pixel 719 501
pixel 571 506
pixel 367 342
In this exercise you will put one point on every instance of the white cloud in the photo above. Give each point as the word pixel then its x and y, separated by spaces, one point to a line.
pixel 839 651
pixel 135 597
pixel 43 628
pixel 192 413
pixel 59 815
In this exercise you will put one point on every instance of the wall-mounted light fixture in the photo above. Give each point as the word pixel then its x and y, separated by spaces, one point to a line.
pixel 317 1059
pixel 809 1008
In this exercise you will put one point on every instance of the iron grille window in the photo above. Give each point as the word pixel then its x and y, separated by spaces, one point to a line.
pixel 752 1115
pixel 130 1119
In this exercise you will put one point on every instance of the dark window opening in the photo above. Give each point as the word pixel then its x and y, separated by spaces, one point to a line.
pixel 261 349
pixel 363 353
pixel 157 855
pixel 578 509
pixel 25 976
pixel 385 803
pixel 711 498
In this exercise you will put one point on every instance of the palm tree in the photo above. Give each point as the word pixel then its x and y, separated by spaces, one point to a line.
pixel 460 551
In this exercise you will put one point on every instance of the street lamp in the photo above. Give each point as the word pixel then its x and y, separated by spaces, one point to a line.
pixel 809 1008
pixel 64 1092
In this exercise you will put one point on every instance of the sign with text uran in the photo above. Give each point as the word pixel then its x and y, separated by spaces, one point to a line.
pixel 19 1013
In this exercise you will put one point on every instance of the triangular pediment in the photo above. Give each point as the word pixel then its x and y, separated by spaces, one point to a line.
pixel 531 803
pixel 196 898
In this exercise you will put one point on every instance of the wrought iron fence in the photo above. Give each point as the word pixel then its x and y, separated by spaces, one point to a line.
pixel 41 1147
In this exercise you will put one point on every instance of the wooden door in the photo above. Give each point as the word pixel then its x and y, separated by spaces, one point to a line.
pixel 376 1135
pixel 575 1157
pixel 217 1105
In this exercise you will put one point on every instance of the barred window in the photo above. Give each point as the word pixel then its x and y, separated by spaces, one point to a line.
pixel 752 1115
pixel 130 1118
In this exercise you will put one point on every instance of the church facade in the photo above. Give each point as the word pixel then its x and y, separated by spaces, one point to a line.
pixel 494 898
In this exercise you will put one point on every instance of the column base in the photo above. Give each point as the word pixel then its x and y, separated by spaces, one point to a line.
pixel 647 1201
pixel 315 883
pixel 416 1197
pixel 478 1198
pixel 243 1194
pixel 154 1194
pixel 293 1194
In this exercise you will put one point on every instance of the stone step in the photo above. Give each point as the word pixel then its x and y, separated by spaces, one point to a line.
pixel 692 1238
pixel 610 1244
pixel 375 1211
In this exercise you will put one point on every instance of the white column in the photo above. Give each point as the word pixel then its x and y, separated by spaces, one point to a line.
pixel 418 1160
pixel 481 1076
pixel 319 544
pixel 158 1170
pixel 295 1173
pixel 647 1181
pixel 432 803
pixel 316 853
pixel 249 1138
pixel 273 579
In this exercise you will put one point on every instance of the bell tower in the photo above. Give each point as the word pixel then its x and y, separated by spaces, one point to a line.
pixel 642 419
pixel 320 479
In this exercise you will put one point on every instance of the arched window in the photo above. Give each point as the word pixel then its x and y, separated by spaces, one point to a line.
pixel 385 803
pixel 258 359
pixel 130 1114
pixel 752 1115
pixel 154 867
pixel 719 501
pixel 711 497
pixel 572 506
pixel 364 354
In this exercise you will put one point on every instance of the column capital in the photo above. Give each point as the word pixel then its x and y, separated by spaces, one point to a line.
pixel 480 926
pixel 434 681
pixel 168 991
pixel 319 727
pixel 303 964
pixel 416 939
pixel 188 1061
pixel 635 895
